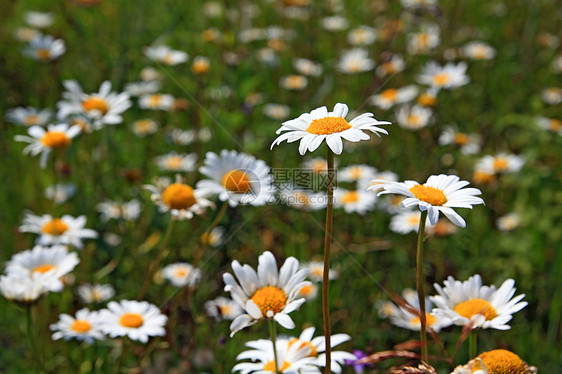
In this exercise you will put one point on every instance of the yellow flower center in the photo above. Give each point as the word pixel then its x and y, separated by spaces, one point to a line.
pixel 55 140
pixel 480 52
pixel 181 273
pixel 43 268
pixel 426 99
pixel 237 181
pixel 270 299
pixel 313 351
pixel 80 325
pixel 441 79
pixel 95 103
pixel 43 54
pixel 270 366
pixel 131 320
pixel 306 290
pixel 390 94
pixel 554 124
pixel 97 295
pixel 174 162
pixel 423 40
pixel 302 199
pixel 461 139
pixel 430 195
pixel 30 120
pixel 355 172
pixel 168 59
pixel 154 100
pixel 501 361
pixel 350 197
pixel 54 227
pixel 389 67
pixel 295 81
pixel 225 310
pixel 414 120
pixel 178 196
pixel 200 66
pixel 429 320
pixel 500 164
pixel 472 307
pixel 482 177
pixel 414 220
pixel 328 125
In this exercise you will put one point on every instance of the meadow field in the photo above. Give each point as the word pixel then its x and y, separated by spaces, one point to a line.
pixel 162 160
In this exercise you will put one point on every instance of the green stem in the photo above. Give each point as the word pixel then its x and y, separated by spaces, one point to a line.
pixel 325 275
pixel 472 345
pixel 159 257
pixel 31 338
pixel 273 334
pixel 420 287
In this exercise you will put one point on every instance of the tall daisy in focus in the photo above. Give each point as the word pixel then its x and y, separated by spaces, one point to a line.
pixel 43 142
pixel 312 129
pixel 440 194
pixel 102 108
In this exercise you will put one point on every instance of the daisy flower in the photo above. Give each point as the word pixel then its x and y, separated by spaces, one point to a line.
pixel 392 96
pixel 156 101
pixel 66 230
pixel 138 320
pixel 356 173
pixel 380 178
pixel 238 178
pixel 45 48
pixel 428 98
pixel 500 163
pixel 178 198
pixel 85 326
pixel 26 289
pixel 552 95
pixel 200 65
pixel 355 61
pixel 358 201
pixel 469 144
pixel 267 293
pixel 319 125
pixel 293 82
pixel 222 308
pixel 362 35
pixel 413 117
pixel 406 222
pixel 508 222
pixel 483 306
pixel 498 361
pixel 441 193
pixel 410 319
pixel 102 108
pixel 276 111
pixel 181 274
pixel 450 76
pixel 26 34
pixel 394 65
pixel 309 292
pixel 213 238
pixel 335 23
pixel 424 41
pixel 316 271
pixel 181 137
pixel 479 51
pixel 39 20
pixel 177 162
pixel 56 260
pixel 44 141
pixel 129 210
pixel 550 124
pixel 60 192
pixel 307 67
pixel 95 293
pixel 29 116
pixel 291 358
pixel 142 88
pixel 318 346
pixel 165 55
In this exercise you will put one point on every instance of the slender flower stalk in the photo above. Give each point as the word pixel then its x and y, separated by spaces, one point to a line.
pixel 326 272
pixel 472 344
pixel 31 338
pixel 159 257
pixel 419 285
pixel 273 334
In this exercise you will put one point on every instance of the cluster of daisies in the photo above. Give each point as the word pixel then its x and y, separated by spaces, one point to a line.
pixel 40 47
